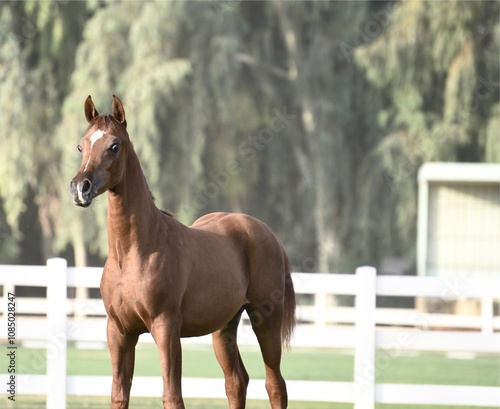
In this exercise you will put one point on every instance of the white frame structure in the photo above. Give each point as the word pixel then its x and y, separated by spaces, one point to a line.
pixel 445 172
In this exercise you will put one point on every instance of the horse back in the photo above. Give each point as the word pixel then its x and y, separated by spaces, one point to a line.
pixel 259 252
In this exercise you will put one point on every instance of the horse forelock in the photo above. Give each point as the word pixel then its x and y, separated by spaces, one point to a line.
pixel 108 124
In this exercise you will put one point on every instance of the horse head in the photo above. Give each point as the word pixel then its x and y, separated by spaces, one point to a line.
pixel 104 151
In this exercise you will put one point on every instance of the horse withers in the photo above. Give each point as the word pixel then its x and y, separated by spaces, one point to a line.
pixel 176 281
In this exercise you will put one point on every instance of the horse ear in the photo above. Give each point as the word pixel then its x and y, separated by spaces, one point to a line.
pixel 118 111
pixel 90 111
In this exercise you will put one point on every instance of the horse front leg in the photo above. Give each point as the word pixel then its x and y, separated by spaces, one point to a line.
pixel 122 350
pixel 166 331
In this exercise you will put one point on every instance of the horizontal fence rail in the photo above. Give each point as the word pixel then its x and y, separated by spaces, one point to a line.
pixel 56 320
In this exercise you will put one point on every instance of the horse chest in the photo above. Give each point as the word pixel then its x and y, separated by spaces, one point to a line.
pixel 128 313
pixel 134 297
pixel 125 302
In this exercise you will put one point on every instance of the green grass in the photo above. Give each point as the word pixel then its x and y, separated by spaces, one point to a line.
pixel 38 402
pixel 197 362
pixel 300 364
pixel 435 369
pixel 34 402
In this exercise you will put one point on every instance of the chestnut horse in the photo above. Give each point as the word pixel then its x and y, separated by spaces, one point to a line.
pixel 176 281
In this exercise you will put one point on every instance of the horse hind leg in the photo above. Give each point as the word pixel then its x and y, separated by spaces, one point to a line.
pixel 267 328
pixel 228 355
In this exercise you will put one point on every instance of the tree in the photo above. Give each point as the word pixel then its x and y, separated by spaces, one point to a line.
pixel 437 63
pixel 38 39
pixel 312 116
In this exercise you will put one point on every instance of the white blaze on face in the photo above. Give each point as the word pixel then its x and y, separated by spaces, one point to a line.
pixel 93 139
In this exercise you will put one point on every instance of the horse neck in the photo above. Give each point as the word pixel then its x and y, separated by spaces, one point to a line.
pixel 132 213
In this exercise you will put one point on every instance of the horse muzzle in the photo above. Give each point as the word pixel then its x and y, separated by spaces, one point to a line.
pixel 83 191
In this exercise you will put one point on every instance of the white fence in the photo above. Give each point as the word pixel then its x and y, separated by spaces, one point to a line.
pixel 403 329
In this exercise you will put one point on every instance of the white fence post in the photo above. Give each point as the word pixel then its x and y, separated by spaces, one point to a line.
pixel 321 305
pixel 364 355
pixel 487 315
pixel 57 341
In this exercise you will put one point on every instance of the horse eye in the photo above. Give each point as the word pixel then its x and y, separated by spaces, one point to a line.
pixel 79 148
pixel 115 148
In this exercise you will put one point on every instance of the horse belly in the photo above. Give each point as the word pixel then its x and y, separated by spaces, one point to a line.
pixel 193 327
pixel 209 308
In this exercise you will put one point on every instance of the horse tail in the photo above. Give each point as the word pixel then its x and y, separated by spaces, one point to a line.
pixel 289 318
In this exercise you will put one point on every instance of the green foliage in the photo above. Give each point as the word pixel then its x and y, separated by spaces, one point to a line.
pixel 369 91
pixel 431 64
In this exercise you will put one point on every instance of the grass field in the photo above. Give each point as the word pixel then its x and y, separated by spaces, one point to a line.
pixel 300 364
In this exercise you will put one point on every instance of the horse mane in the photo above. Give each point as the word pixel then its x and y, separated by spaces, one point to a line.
pixel 167 212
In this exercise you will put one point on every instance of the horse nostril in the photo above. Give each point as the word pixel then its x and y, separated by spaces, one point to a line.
pixel 86 187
